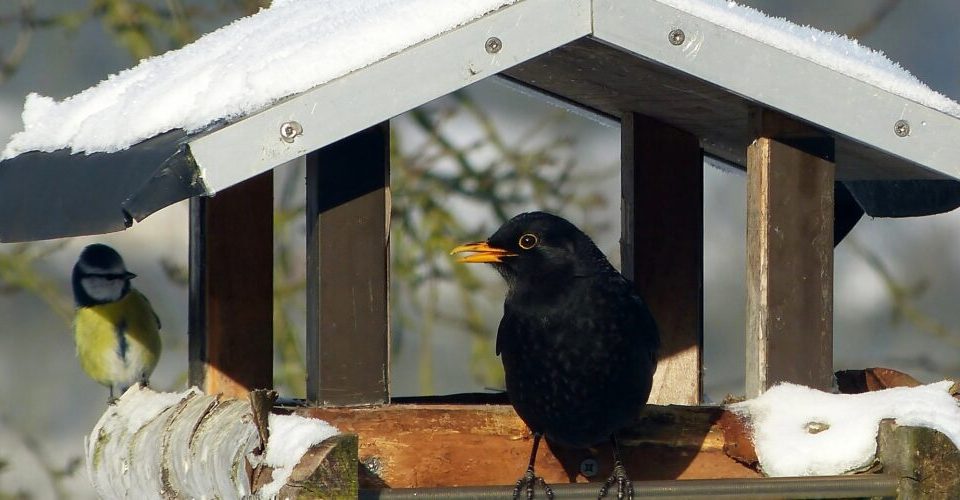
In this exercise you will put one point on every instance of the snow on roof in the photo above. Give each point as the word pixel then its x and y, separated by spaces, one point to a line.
pixel 285 49
pixel 831 50
pixel 297 44
pixel 799 431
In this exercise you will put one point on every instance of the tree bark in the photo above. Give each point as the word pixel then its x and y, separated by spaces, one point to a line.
pixel 188 445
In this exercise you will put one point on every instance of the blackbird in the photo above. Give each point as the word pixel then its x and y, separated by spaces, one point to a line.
pixel 578 345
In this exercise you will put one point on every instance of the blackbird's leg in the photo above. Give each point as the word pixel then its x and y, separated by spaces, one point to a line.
pixel 529 479
pixel 619 476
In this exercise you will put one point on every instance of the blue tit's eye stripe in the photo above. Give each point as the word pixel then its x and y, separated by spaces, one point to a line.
pixel 109 276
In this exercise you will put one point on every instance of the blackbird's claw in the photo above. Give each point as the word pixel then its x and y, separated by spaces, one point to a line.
pixel 528 484
pixel 530 480
pixel 624 486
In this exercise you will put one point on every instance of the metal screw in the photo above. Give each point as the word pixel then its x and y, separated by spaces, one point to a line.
pixel 589 467
pixel 677 36
pixel 373 464
pixel 901 128
pixel 493 45
pixel 290 130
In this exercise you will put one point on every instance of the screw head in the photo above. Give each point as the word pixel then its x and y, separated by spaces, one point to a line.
pixel 373 464
pixel 901 128
pixel 589 467
pixel 677 37
pixel 290 130
pixel 493 45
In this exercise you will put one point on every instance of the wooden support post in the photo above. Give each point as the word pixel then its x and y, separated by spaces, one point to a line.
pixel 231 289
pixel 926 461
pixel 662 246
pixel 789 261
pixel 348 207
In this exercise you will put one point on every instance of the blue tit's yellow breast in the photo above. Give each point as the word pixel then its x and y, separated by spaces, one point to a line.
pixel 118 342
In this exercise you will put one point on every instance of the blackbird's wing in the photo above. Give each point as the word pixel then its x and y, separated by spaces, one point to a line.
pixel 507 325
pixel 646 326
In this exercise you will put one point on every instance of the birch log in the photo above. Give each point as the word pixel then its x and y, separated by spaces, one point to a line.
pixel 191 445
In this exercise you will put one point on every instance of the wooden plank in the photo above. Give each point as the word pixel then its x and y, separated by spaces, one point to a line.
pixel 789 267
pixel 417 445
pixel 231 289
pixel 348 342
pixel 662 246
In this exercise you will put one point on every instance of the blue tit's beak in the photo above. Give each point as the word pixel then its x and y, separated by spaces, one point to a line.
pixel 128 275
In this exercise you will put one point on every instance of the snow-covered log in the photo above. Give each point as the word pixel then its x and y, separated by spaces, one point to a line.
pixel 799 431
pixel 190 445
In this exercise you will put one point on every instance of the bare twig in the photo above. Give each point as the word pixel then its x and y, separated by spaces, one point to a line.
pixel 903 298
pixel 10 61
pixel 869 24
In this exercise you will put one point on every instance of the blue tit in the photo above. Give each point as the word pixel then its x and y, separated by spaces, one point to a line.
pixel 116 331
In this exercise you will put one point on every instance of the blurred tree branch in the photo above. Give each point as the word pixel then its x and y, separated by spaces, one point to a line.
pixel 866 26
pixel 141 27
pixel 19 273
pixel 11 59
pixel 448 190
pixel 55 474
pixel 904 297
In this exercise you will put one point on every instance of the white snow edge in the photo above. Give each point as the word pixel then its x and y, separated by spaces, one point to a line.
pixel 779 419
pixel 295 45
pixel 831 50
pixel 236 70
pixel 291 436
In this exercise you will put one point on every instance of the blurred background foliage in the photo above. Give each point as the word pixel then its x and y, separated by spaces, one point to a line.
pixel 491 175
pixel 497 175
pixel 459 170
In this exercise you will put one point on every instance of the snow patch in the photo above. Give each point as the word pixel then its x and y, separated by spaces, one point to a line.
pixel 799 431
pixel 290 438
pixel 139 405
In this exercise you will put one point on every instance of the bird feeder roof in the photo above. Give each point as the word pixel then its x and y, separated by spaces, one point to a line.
pixel 300 75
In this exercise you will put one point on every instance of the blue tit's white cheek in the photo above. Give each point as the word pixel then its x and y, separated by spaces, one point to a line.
pixel 102 289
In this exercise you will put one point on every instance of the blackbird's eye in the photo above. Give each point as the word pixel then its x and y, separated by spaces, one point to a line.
pixel 528 241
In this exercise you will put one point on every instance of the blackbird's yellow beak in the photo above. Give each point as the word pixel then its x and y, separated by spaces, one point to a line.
pixel 482 252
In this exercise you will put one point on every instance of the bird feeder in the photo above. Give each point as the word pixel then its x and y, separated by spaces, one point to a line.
pixel 820 148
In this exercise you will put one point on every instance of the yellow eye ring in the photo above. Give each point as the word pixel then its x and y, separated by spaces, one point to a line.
pixel 528 241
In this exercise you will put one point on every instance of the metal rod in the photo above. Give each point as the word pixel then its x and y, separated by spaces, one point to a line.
pixel 863 485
